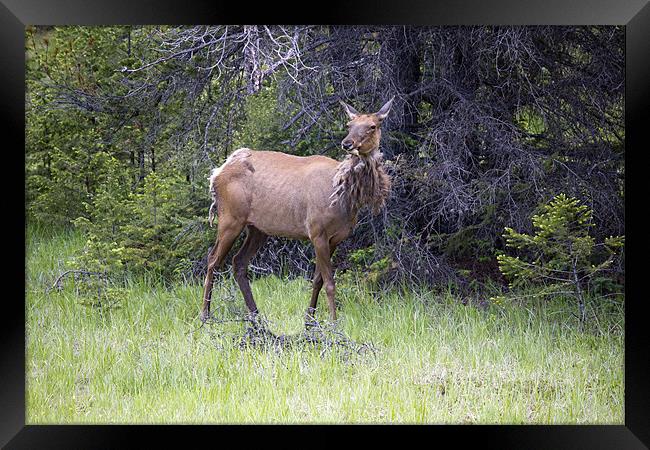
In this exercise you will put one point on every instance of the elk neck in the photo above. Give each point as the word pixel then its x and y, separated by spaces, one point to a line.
pixel 361 181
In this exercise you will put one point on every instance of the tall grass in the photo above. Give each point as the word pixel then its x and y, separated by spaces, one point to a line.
pixel 146 360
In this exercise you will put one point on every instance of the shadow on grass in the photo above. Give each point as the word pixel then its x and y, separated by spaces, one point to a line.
pixel 255 333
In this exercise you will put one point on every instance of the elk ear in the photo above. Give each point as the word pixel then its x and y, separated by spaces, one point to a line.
pixel 383 112
pixel 352 113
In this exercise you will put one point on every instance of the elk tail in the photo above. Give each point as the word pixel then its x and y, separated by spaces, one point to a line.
pixel 213 193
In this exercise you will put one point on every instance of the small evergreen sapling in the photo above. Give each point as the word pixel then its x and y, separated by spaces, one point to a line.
pixel 560 253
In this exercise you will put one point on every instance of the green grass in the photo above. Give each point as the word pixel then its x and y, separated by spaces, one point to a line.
pixel 145 360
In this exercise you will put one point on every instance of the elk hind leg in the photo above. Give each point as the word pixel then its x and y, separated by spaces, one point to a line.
pixel 254 241
pixel 227 232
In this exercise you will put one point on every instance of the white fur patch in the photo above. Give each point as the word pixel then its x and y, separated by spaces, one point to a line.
pixel 239 153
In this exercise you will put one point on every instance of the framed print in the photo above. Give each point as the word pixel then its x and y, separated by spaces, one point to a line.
pixel 384 214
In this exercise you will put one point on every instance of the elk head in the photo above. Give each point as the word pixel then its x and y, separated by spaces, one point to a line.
pixel 364 130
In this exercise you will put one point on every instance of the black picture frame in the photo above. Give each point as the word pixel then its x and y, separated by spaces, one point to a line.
pixel 633 14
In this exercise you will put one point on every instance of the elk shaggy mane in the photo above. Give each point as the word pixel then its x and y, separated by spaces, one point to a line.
pixel 361 181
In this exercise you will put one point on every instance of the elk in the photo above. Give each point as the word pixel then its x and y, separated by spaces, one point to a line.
pixel 301 197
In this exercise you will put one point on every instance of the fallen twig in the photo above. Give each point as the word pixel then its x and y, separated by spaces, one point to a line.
pixel 57 282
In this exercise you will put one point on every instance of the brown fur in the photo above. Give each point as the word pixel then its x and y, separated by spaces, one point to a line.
pixel 312 197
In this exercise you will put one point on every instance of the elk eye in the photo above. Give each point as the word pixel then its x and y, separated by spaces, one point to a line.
pixel 372 127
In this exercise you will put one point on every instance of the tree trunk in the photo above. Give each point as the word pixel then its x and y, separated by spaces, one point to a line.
pixel 401 47
pixel 580 296
pixel 141 164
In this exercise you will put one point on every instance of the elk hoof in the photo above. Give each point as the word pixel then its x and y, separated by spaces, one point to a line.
pixel 333 324
pixel 205 315
pixel 254 320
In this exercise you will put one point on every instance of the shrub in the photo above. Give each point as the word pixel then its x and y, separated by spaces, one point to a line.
pixel 152 229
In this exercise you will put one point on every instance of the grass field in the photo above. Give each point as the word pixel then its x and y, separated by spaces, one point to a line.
pixel 146 360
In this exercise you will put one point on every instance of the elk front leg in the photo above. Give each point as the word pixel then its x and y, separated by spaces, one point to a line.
pixel 324 266
pixel 317 285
